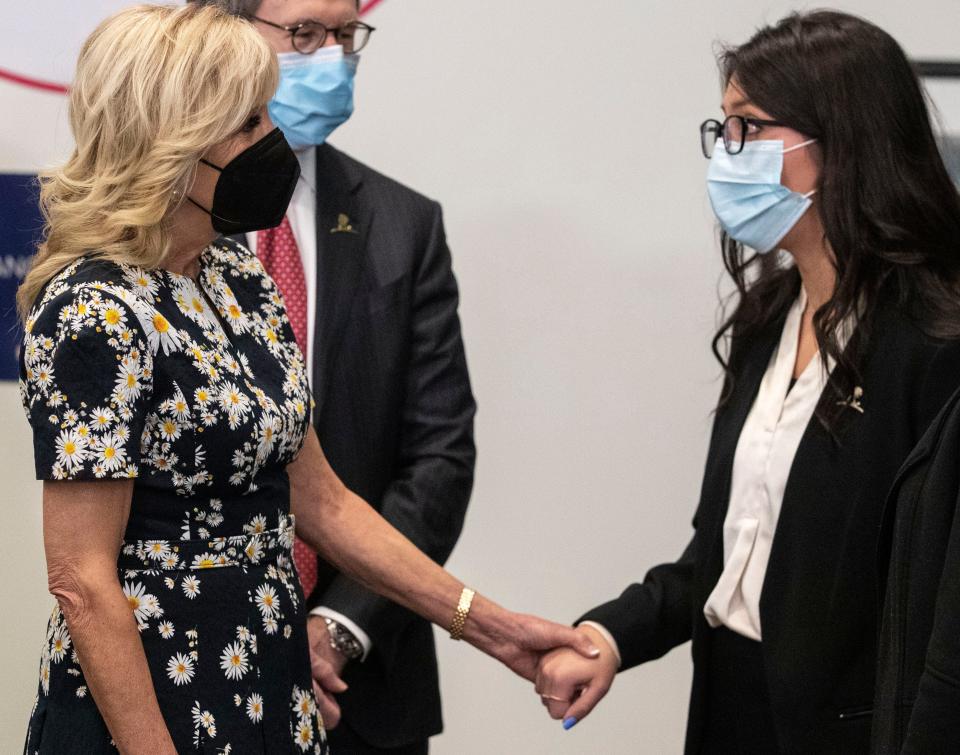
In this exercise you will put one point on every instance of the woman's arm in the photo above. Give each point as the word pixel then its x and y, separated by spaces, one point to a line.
pixel 346 531
pixel 83 526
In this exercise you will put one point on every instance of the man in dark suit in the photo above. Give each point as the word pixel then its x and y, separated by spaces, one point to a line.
pixel 366 275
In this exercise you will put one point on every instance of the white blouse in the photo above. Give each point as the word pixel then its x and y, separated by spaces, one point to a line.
pixel 761 466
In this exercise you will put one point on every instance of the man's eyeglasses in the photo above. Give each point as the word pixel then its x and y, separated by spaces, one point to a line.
pixel 734 131
pixel 310 36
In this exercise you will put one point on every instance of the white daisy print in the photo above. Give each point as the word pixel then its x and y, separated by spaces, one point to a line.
pixel 60 644
pixel 43 375
pixel 129 381
pixel 235 316
pixel 144 604
pixel 191 586
pixel 157 550
pixel 166 629
pixel 233 661
pixel 257 526
pixel 304 734
pixel 204 719
pixel 267 601
pixel 235 402
pixel 180 669
pixel 204 561
pixel 169 429
pixel 255 707
pixel 254 550
pixel 142 283
pixel 303 702
pixel 103 417
pixel 161 334
pixel 111 452
pixel 45 675
pixel 180 408
pixel 71 449
pixel 113 318
pixel 269 426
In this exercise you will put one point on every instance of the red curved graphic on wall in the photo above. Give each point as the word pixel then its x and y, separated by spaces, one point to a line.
pixel 51 86
pixel 26 81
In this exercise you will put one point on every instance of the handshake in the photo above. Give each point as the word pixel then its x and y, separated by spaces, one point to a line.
pixel 571 668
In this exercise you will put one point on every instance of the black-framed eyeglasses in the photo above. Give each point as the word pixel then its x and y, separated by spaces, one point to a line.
pixel 734 131
pixel 310 36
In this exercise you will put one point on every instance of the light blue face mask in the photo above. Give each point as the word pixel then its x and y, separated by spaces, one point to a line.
pixel 747 197
pixel 315 95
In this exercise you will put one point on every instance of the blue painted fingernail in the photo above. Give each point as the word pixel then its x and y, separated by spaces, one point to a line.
pixel 569 723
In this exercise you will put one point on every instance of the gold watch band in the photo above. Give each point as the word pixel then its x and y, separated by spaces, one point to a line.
pixel 460 616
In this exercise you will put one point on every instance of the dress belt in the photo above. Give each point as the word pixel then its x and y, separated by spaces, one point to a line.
pixel 250 548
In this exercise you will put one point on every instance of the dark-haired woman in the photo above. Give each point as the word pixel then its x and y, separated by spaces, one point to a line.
pixel 840 230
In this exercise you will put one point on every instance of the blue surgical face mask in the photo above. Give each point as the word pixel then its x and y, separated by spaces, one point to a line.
pixel 747 197
pixel 315 95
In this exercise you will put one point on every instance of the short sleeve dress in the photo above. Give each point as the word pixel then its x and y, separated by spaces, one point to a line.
pixel 196 390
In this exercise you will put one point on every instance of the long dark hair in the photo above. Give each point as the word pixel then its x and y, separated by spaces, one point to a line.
pixel 889 209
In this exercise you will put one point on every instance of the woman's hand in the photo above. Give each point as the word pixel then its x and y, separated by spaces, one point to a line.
pixel 520 641
pixel 570 685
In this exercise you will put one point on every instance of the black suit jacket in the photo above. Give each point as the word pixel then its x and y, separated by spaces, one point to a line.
pixel 819 601
pixel 918 672
pixel 394 415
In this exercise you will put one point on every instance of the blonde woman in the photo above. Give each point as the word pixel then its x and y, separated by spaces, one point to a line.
pixel 171 420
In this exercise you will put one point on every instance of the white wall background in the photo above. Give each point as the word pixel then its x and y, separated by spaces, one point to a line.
pixel 561 137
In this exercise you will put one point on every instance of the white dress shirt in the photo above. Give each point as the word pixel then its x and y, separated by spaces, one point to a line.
pixel 764 457
pixel 302 214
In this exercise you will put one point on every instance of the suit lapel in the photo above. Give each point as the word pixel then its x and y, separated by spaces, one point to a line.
pixel 343 224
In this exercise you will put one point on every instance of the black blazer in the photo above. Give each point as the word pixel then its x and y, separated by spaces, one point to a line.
pixel 918 671
pixel 394 415
pixel 819 602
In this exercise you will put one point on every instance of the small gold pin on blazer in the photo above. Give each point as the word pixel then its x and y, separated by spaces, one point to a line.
pixel 343 225
pixel 853 402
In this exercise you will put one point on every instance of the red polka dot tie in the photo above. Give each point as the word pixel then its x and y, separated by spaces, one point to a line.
pixel 278 250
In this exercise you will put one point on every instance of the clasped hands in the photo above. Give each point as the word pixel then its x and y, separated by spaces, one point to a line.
pixel 570 684
pixel 572 669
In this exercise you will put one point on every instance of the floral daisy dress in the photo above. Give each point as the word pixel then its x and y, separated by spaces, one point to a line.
pixel 197 390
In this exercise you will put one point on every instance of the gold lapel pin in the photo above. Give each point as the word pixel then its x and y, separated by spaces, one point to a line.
pixel 853 402
pixel 343 225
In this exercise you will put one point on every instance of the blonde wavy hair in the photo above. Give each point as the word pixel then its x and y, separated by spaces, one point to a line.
pixel 155 87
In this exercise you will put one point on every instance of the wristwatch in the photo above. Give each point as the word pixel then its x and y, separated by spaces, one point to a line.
pixel 343 641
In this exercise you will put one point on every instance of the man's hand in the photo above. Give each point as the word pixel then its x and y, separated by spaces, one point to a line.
pixel 326 665
pixel 570 685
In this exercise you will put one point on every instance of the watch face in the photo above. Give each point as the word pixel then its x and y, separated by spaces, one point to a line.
pixel 343 641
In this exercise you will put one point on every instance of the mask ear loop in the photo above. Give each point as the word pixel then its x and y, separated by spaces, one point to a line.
pixel 801 145
pixel 197 204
